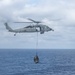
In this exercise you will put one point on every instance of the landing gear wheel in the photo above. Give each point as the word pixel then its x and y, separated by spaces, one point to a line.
pixel 15 34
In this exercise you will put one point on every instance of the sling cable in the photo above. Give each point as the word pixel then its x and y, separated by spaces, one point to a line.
pixel 36 58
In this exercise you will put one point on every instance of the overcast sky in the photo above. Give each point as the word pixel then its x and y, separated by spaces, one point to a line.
pixel 57 14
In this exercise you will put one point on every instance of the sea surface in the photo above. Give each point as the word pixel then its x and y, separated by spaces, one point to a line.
pixel 52 62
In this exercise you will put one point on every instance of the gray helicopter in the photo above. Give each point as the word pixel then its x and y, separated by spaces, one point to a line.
pixel 30 28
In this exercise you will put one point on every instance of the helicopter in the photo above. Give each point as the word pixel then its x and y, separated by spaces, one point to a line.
pixel 30 28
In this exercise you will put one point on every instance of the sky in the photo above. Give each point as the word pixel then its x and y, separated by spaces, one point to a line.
pixel 57 14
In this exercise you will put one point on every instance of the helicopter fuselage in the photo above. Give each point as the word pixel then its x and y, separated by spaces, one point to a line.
pixel 30 29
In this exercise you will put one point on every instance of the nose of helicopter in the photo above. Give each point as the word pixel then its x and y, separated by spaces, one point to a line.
pixel 50 29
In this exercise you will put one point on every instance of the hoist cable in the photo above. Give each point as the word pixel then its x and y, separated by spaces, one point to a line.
pixel 36 43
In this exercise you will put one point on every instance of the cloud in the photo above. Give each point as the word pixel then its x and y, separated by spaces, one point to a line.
pixel 57 14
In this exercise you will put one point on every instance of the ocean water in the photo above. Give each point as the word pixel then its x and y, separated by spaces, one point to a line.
pixel 52 62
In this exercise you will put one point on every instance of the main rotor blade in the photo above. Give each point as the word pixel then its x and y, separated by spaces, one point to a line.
pixel 23 22
pixel 31 20
pixel 34 21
